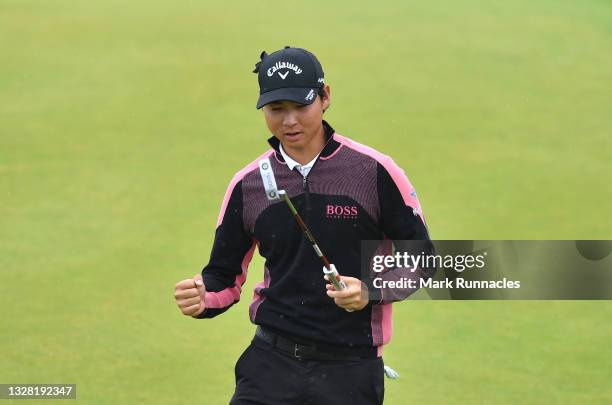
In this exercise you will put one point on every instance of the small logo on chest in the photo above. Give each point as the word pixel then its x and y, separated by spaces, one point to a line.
pixel 334 211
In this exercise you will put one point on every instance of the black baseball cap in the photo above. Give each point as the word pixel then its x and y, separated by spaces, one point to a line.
pixel 292 74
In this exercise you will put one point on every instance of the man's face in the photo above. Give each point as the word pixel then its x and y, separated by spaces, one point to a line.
pixel 295 125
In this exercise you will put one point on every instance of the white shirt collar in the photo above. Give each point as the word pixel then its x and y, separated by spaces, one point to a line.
pixel 304 169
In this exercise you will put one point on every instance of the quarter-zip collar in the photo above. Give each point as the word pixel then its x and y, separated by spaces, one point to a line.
pixel 291 164
pixel 329 148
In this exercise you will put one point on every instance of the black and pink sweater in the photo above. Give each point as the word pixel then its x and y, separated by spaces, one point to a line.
pixel 352 193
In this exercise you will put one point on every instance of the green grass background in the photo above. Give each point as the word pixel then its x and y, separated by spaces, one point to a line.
pixel 121 124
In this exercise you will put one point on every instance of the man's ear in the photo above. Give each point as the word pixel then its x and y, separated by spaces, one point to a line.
pixel 326 100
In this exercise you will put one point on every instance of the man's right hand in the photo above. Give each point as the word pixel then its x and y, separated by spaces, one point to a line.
pixel 189 295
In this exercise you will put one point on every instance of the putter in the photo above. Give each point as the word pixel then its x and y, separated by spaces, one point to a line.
pixel 273 194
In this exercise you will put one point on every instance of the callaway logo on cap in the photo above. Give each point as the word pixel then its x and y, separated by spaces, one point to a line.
pixel 292 74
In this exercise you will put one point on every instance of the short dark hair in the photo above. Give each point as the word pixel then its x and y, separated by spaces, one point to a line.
pixel 321 93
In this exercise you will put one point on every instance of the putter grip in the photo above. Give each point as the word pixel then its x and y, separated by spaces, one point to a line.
pixel 334 277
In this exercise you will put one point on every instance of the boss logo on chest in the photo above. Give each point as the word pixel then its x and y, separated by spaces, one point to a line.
pixel 334 211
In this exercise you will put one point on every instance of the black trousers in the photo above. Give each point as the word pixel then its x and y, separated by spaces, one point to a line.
pixel 267 376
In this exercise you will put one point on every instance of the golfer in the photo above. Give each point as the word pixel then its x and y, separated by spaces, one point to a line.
pixel 313 344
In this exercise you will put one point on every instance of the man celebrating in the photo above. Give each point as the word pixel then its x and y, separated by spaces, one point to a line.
pixel 316 345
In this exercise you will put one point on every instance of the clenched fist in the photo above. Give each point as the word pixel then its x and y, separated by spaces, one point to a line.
pixel 189 295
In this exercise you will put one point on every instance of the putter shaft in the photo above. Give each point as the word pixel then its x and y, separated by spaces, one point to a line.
pixel 304 227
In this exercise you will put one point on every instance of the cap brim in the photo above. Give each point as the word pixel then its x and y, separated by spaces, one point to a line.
pixel 300 95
